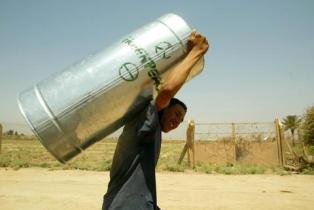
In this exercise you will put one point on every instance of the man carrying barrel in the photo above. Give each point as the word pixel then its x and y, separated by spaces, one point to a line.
pixel 132 183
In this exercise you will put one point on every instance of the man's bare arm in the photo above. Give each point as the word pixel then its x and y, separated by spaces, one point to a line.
pixel 198 47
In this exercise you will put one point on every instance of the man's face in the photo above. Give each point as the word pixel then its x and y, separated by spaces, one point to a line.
pixel 172 117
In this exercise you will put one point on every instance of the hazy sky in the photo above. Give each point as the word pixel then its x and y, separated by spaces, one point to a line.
pixel 260 65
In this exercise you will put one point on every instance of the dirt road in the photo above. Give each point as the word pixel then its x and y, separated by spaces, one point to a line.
pixel 40 189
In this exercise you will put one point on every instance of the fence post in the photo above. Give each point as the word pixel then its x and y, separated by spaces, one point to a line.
pixel 0 136
pixel 233 135
pixel 189 145
pixel 192 142
pixel 279 137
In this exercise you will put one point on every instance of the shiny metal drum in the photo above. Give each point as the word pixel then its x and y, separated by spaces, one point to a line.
pixel 71 110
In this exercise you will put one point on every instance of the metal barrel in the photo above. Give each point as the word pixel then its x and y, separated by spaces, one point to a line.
pixel 91 99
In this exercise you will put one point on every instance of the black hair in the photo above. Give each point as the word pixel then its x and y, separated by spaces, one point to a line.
pixel 173 101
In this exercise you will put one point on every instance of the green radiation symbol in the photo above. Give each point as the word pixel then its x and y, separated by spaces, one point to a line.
pixel 161 48
pixel 128 71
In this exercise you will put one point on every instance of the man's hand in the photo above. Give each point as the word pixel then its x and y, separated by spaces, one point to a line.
pixel 197 44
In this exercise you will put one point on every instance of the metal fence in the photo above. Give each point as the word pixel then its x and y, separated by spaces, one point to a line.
pixel 263 143
pixel 255 131
pixel 248 143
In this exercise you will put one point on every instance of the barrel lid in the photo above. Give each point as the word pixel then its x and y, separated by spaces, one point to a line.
pixel 177 25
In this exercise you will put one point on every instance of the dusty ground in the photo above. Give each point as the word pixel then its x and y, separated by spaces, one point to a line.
pixel 40 189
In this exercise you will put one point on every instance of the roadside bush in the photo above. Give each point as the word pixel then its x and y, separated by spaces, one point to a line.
pixel 308 126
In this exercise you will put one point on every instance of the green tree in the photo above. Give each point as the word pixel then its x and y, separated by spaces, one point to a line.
pixel 10 132
pixel 308 126
pixel 291 122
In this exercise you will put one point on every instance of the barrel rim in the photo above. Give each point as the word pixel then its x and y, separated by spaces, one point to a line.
pixel 28 121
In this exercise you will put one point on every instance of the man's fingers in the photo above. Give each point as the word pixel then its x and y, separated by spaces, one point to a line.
pixel 197 40
pixel 197 35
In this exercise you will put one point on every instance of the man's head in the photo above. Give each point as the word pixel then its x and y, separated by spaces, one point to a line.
pixel 171 116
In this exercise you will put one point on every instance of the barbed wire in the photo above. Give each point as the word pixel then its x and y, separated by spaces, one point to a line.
pixel 203 131
pixel 235 131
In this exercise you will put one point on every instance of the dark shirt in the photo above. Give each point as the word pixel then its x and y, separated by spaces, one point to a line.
pixel 132 176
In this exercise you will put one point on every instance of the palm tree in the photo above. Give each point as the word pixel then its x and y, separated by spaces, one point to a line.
pixel 291 122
